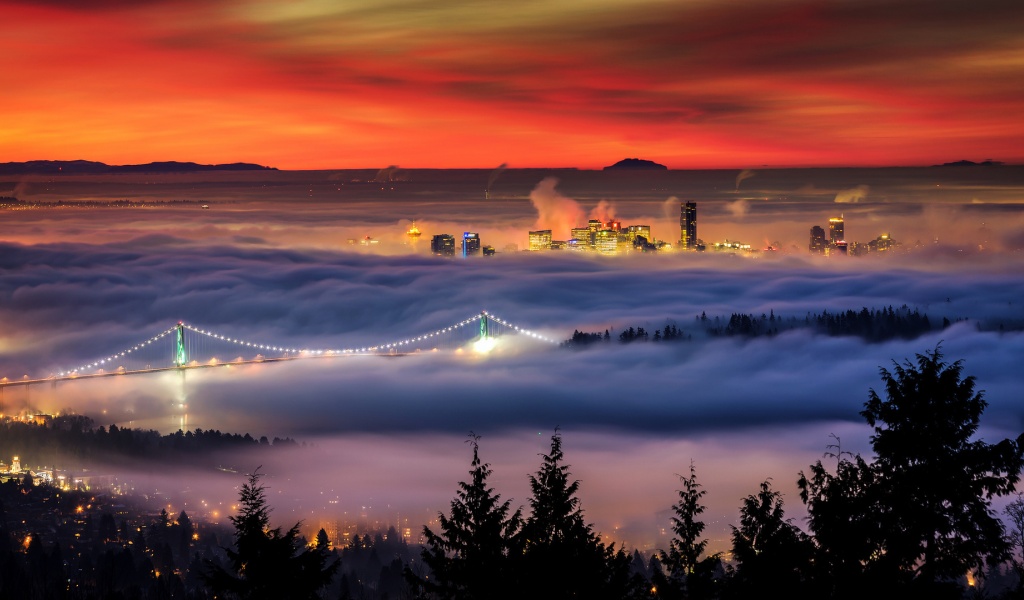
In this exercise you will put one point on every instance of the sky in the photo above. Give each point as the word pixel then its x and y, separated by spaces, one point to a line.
pixel 270 262
pixel 317 84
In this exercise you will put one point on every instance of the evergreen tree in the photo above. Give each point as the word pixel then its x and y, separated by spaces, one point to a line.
pixel 935 478
pixel 472 557
pixel 322 541
pixel 770 552
pixel 266 563
pixel 843 514
pixel 563 556
pixel 688 576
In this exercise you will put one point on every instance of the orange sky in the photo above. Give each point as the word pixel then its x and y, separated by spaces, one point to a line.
pixel 309 84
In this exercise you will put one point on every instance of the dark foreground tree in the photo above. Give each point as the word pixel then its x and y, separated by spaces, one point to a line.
pixel 266 563
pixel 771 553
pixel 473 556
pixel 562 556
pixel 844 511
pixel 936 477
pixel 918 517
pixel 687 576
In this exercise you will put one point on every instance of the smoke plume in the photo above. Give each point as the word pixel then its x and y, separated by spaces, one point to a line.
pixel 555 211
pixel 852 195
pixel 738 208
pixel 604 211
pixel 387 173
pixel 744 174
pixel 495 174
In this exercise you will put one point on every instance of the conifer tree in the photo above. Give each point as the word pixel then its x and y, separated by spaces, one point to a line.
pixel 918 517
pixel 266 563
pixel 473 555
pixel 688 576
pixel 770 552
pixel 563 556
pixel 936 479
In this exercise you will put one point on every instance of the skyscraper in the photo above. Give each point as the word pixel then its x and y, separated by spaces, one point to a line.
pixel 817 245
pixel 835 230
pixel 687 225
pixel 540 240
pixel 470 243
pixel 443 245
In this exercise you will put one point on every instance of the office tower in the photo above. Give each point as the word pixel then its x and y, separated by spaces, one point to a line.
pixel 835 230
pixel 470 244
pixel 882 243
pixel 638 230
pixel 584 237
pixel 687 225
pixel 443 245
pixel 817 245
pixel 606 241
pixel 489 250
pixel 540 240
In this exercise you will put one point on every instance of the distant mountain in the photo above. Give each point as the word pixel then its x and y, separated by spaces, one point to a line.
pixel 88 167
pixel 636 164
pixel 971 163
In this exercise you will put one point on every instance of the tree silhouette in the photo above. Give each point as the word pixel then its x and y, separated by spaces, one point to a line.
pixel 688 576
pixel 1015 515
pixel 843 513
pixel 770 552
pixel 472 556
pixel 266 563
pixel 935 478
pixel 563 556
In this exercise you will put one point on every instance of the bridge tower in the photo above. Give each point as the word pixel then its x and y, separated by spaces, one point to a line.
pixel 180 358
pixel 485 329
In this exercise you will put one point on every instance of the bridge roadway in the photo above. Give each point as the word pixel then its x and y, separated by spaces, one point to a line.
pixel 116 373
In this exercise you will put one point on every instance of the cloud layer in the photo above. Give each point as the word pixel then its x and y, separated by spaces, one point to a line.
pixel 269 263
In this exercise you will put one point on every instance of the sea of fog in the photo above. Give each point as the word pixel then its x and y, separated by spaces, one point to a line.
pixel 284 257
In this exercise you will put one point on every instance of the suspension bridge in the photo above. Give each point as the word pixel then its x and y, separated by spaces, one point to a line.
pixel 185 346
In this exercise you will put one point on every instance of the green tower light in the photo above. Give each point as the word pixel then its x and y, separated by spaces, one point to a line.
pixel 180 359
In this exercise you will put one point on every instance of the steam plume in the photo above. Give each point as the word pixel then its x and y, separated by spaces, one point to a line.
pixel 853 195
pixel 495 174
pixel 555 211
pixel 744 174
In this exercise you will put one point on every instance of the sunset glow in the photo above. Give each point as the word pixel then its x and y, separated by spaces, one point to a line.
pixel 314 84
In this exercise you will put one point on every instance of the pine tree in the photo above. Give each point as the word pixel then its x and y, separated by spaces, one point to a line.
pixel 563 556
pixel 266 563
pixel 770 552
pixel 688 576
pixel 473 555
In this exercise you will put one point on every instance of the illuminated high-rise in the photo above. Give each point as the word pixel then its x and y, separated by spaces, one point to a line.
pixel 836 231
pixel 584 237
pixel 540 240
pixel 470 244
pixel 687 225
pixel 443 245
pixel 606 241
pixel 817 245
pixel 634 230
